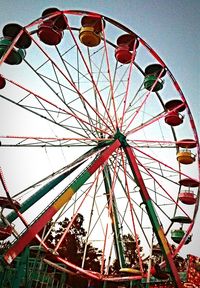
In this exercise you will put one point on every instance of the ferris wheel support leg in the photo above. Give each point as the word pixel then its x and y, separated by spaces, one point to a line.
pixel 64 198
pixel 114 217
pixel 152 215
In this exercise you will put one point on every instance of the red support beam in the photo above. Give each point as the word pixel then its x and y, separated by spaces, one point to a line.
pixel 64 198
pixel 153 218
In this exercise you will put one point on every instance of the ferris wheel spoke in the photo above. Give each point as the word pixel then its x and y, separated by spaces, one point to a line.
pixel 92 78
pixel 90 228
pixel 110 182
pixel 164 164
pixel 48 103
pixel 64 62
pixel 165 174
pixel 108 89
pixel 45 79
pixel 128 83
pixel 110 77
pixel 133 104
pixel 71 83
pixel 76 130
pixel 83 103
pixel 156 226
pixel 123 173
pixel 75 214
pixel 174 202
pixel 26 141
pixel 100 73
pixel 145 99
pixel 53 180
pixel 131 213
pixel 147 123
pixel 52 209
pixel 148 143
pixel 79 73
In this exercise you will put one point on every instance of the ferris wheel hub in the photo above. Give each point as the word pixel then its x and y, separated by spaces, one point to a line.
pixel 121 137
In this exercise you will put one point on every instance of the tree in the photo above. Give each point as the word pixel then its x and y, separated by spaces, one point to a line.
pixel 73 245
pixel 71 248
pixel 130 252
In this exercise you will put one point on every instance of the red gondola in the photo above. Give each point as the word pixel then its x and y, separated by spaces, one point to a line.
pixel 174 118
pixel 125 45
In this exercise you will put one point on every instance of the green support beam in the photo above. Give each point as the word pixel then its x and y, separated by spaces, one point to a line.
pixel 19 245
pixel 152 216
pixel 39 194
pixel 114 217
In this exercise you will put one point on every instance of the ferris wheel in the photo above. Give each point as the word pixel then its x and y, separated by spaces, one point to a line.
pixel 95 125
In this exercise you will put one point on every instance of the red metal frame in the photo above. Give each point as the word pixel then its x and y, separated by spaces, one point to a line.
pixel 32 230
pixel 152 216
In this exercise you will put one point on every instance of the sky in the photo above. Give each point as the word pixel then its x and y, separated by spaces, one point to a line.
pixel 170 27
